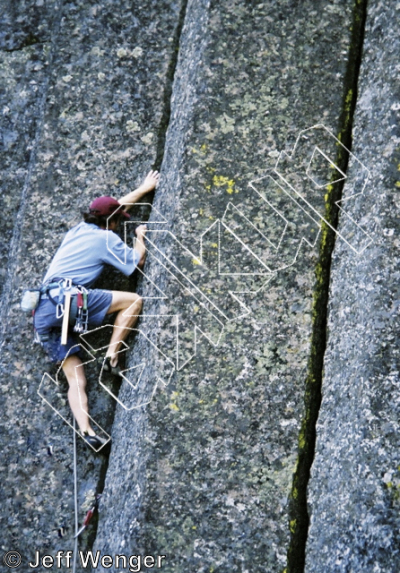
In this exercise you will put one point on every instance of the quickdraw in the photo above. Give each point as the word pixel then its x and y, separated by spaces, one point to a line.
pixel 82 314
pixel 89 515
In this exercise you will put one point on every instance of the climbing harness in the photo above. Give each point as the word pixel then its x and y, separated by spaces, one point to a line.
pixel 79 311
pixel 71 305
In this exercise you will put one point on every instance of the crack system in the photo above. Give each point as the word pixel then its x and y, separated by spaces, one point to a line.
pixel 166 114
pixel 298 512
pixel 160 149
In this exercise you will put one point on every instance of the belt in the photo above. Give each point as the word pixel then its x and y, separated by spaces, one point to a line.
pixel 44 295
pixel 73 290
pixel 57 282
pixel 60 285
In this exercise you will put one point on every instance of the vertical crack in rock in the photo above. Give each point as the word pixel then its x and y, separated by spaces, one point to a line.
pixel 13 254
pixel 166 115
pixel 298 512
pixel 123 495
pixel 202 472
pixel 162 131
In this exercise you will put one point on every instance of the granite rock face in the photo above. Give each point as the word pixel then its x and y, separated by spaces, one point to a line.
pixel 353 493
pixel 203 472
pixel 81 115
pixel 25 57
pixel 205 429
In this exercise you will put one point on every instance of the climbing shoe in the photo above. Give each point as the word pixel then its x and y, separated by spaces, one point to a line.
pixel 96 441
pixel 114 370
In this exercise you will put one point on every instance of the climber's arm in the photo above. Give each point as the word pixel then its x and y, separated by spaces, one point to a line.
pixel 148 185
pixel 139 244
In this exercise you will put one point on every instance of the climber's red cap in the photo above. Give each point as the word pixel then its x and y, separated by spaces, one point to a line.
pixel 105 206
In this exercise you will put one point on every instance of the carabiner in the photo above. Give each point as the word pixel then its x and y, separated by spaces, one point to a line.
pixel 59 310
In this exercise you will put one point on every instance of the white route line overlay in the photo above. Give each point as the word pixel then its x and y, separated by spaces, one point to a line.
pixel 217 314
pixel 363 168
pixel 55 382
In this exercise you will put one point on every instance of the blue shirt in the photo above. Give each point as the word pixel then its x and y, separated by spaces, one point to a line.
pixel 85 250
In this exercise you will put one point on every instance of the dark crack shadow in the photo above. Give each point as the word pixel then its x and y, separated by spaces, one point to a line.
pixel 133 281
pixel 298 511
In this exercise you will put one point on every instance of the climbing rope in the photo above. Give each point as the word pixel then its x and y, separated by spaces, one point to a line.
pixel 91 511
pixel 75 502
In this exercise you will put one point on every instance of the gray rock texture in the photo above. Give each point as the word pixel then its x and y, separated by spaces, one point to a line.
pixel 206 428
pixel 354 490
pixel 82 111
pixel 25 41
pixel 202 474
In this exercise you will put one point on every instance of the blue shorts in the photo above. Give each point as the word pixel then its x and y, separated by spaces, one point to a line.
pixel 48 326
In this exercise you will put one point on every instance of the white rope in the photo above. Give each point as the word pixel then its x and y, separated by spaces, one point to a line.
pixel 75 501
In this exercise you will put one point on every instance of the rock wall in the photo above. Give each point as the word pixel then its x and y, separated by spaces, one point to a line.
pixel 353 492
pixel 86 102
pixel 209 460
pixel 209 430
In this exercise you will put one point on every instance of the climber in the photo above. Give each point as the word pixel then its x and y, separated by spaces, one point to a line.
pixel 74 268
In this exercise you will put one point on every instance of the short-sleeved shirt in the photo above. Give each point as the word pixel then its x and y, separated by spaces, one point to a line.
pixel 85 250
pixel 81 257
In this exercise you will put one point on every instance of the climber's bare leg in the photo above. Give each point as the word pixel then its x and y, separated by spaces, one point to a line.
pixel 77 397
pixel 128 305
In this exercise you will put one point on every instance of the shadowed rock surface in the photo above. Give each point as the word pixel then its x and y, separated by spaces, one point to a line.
pixel 24 73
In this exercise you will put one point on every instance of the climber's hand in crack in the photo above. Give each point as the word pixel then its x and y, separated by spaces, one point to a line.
pixel 150 182
pixel 141 231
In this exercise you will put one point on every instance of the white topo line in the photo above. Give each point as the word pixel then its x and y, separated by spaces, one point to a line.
pixel 135 376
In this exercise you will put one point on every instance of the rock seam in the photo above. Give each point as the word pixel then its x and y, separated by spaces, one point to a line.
pixel 298 511
pixel 164 123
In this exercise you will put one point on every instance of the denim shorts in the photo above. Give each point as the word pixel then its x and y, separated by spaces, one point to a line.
pixel 48 326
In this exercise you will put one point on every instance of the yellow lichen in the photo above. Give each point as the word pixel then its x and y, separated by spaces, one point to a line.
pixel 221 181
